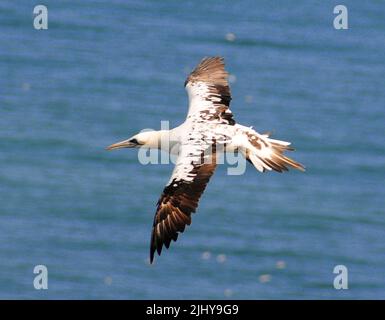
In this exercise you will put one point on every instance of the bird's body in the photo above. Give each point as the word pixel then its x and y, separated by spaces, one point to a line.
pixel 209 129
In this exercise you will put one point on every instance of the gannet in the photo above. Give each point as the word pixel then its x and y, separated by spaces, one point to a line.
pixel 208 127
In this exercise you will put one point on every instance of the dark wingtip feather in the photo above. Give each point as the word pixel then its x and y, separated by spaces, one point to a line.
pixel 152 247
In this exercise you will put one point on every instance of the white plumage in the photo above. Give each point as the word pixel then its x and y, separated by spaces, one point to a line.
pixel 209 128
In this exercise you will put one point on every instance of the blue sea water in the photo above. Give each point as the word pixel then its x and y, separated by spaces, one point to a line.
pixel 104 70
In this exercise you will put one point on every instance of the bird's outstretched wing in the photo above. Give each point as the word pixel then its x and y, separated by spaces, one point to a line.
pixel 209 92
pixel 209 99
pixel 180 197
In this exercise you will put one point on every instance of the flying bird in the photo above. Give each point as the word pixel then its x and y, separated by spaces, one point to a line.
pixel 209 129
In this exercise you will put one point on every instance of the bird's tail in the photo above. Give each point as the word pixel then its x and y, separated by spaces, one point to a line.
pixel 267 154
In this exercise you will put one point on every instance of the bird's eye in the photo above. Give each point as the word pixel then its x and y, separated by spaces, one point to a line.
pixel 134 141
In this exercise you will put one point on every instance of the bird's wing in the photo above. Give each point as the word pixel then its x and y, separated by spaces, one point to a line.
pixel 209 92
pixel 180 197
pixel 209 99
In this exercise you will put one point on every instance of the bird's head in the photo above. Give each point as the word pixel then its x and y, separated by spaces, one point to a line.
pixel 136 141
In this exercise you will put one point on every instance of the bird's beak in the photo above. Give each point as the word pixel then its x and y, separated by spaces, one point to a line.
pixel 121 144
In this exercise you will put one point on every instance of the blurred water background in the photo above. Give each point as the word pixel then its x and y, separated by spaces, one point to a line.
pixel 106 69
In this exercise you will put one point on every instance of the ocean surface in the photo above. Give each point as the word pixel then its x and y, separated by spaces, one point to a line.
pixel 105 70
